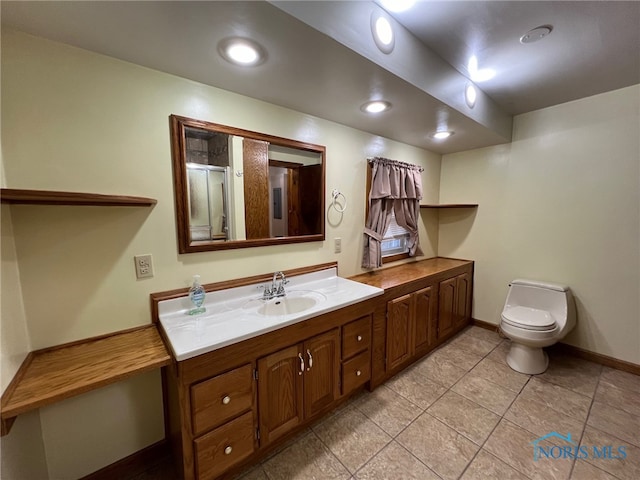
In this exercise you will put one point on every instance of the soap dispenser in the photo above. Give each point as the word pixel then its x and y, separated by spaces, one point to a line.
pixel 196 295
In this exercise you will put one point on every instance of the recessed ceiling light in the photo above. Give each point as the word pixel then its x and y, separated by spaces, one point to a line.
pixel 536 34
pixel 241 51
pixel 397 5
pixel 441 135
pixel 382 32
pixel 470 95
pixel 376 106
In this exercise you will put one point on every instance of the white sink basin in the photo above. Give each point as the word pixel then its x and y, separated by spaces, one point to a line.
pixel 294 302
pixel 238 313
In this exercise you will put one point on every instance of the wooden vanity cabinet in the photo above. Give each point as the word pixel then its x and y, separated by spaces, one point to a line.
pixel 296 383
pixel 424 304
pixel 400 313
pixel 454 304
pixel 356 354
pixel 222 418
pixel 411 326
pixel 464 299
pixel 231 406
pixel 447 306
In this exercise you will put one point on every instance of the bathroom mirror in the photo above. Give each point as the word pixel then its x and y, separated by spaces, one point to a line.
pixel 236 188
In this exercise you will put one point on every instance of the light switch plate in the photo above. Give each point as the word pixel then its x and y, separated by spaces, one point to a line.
pixel 337 245
pixel 144 265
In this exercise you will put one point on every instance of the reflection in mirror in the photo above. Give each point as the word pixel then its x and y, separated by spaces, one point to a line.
pixel 207 202
pixel 235 188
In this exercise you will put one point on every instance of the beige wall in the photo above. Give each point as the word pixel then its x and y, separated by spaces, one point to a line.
pixel 561 203
pixel 22 453
pixel 74 120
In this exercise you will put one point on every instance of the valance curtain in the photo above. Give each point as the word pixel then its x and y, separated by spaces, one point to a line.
pixel 395 186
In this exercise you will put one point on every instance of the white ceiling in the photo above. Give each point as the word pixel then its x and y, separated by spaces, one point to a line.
pixel 322 60
pixel 594 46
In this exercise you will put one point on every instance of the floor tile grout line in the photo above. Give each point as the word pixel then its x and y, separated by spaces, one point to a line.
pixel 586 420
pixel 610 435
pixel 611 404
pixel 498 423
pixel 554 409
pixel 420 461
pixel 352 474
pixel 593 400
pixel 423 411
pixel 437 419
pixel 493 430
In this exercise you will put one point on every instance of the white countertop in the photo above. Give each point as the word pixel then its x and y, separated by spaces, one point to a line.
pixel 232 315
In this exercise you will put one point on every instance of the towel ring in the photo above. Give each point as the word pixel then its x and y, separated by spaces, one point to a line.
pixel 335 194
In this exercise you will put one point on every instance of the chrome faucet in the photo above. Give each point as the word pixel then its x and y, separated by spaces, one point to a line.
pixel 277 289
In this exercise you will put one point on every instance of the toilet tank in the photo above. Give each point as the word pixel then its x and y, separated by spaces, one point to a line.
pixel 551 297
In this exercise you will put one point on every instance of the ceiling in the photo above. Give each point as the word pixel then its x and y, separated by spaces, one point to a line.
pixel 321 58
pixel 594 46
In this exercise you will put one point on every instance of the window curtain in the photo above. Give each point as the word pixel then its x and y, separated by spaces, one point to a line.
pixel 395 186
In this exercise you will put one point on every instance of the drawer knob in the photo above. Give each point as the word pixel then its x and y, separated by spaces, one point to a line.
pixel 228 450
pixel 226 400
pixel 359 338
pixel 358 373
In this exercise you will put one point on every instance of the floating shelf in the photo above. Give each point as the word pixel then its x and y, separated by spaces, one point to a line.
pixel 46 197
pixel 53 374
pixel 450 205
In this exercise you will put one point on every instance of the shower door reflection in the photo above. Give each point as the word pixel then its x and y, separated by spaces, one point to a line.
pixel 208 202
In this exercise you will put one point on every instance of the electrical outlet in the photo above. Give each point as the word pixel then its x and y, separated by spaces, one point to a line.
pixel 337 245
pixel 144 266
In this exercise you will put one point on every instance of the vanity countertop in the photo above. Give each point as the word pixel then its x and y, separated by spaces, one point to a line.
pixel 399 275
pixel 232 315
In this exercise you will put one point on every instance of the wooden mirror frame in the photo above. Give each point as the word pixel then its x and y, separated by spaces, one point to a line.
pixel 181 194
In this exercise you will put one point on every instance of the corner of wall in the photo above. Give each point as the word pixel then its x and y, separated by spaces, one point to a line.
pixel 23 453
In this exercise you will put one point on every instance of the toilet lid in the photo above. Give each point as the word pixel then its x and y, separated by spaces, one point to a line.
pixel 530 318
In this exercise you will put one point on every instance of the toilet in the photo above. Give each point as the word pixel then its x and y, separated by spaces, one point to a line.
pixel 535 315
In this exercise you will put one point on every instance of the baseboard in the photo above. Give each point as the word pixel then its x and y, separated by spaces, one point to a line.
pixel 599 358
pixel 133 465
pixel 577 351
pixel 483 324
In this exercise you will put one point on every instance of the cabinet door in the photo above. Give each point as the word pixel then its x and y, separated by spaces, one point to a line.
pixel 446 307
pixel 322 363
pixel 425 323
pixel 256 187
pixel 280 396
pixel 399 339
pixel 463 300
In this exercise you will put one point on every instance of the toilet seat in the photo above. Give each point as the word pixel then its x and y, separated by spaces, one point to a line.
pixel 529 318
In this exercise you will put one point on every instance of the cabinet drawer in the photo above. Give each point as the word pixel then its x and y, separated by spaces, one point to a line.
pixel 356 336
pixel 223 447
pixel 221 398
pixel 356 372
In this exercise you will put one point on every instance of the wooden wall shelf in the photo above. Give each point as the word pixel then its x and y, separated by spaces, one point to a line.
pixel 46 197
pixel 53 374
pixel 450 205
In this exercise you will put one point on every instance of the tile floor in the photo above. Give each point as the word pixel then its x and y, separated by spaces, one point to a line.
pixel 462 413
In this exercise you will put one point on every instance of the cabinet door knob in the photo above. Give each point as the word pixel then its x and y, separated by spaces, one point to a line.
pixel 228 450
pixel 226 400
pixel 358 373
pixel 310 359
pixel 359 338
pixel 301 363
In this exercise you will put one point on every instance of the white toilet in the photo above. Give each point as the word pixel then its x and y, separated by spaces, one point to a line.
pixel 535 315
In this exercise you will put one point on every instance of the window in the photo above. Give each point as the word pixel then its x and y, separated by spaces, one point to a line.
pixel 395 239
